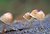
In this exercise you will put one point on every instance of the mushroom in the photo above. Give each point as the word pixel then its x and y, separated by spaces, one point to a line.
pixel 7 18
pixel 38 14
pixel 27 16
pixel 34 13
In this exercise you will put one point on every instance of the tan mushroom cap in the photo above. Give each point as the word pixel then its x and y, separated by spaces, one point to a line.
pixel 34 13
pixel 27 16
pixel 7 18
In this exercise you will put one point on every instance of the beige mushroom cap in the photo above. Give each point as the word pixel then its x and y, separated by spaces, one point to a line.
pixel 27 16
pixel 40 15
pixel 34 13
pixel 7 18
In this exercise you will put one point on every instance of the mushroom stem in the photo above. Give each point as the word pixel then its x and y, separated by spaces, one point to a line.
pixel 3 32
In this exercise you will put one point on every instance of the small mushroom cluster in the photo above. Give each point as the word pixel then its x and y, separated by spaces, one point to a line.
pixel 35 14
pixel 7 18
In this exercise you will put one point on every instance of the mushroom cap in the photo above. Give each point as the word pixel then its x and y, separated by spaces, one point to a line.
pixel 7 18
pixel 40 15
pixel 34 13
pixel 27 16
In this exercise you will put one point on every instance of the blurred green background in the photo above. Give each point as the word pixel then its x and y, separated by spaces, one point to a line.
pixel 19 7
